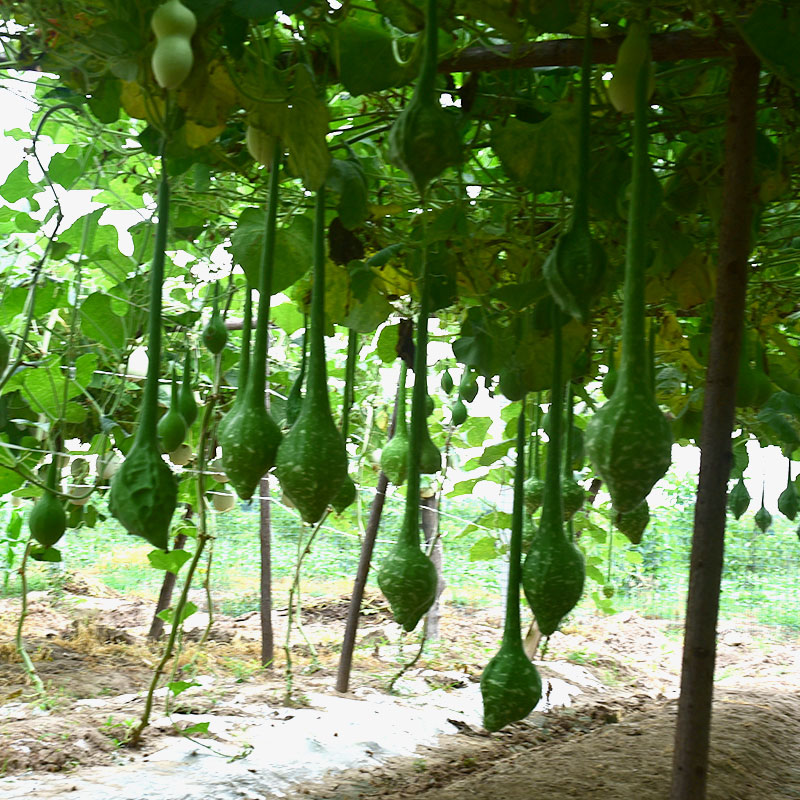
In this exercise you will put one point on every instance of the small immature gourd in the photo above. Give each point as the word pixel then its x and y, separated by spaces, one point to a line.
pixel 174 25
pixel 763 518
pixel 447 382
pixel 458 413
pixel 788 499
pixel 294 400
pixel 215 334
pixel 554 570
pixel 739 499
pixel 244 363
pixel 394 456
pixel 573 494
pixel 534 491
pixel 347 493
pixel 311 463
pixel 633 523
pixel 468 386
pixel 48 519
pixel 186 402
pixel 172 426
pixel 5 352
pixel 629 440
pixel 510 684
pixel 144 491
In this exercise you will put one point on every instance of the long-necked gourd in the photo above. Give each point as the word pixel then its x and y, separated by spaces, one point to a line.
pixel 575 267
pixel 407 577
pixel 573 494
pixel 244 362
pixel 215 334
pixel 788 500
pixel 346 495
pixel 48 519
pixel 424 140
pixel 623 84
pixel 5 352
pixel 294 400
pixel 534 485
pixel 172 426
pixel 174 25
pixel 629 440
pixel 250 437
pixel 144 491
pixel 510 684
pixel 186 401
pixel 633 523
pixel 311 464
pixel 394 457
pixel 554 569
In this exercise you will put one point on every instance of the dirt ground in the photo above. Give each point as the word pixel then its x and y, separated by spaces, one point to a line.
pixel 614 741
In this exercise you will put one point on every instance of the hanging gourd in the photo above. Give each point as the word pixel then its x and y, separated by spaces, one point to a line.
pixel 629 440
pixel 458 413
pixel 294 400
pixel 244 363
pixel 311 464
pixel 739 499
pixel 172 426
pixel 510 684
pixel 174 25
pixel 610 378
pixel 468 386
pixel 215 334
pixel 554 569
pixel 788 500
pixel 446 382
pixel 424 139
pixel 346 495
pixel 763 517
pixel 394 457
pixel 575 267
pixel 144 491
pixel 407 577
pixel 249 436
pixel 632 52
pixel 48 519
pixel 5 353
pixel 633 523
pixel 534 485
pixel 186 402
pixel 430 457
pixel 573 495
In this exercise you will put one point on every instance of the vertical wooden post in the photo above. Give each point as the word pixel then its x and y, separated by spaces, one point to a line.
pixel 430 529
pixel 692 734
pixel 265 597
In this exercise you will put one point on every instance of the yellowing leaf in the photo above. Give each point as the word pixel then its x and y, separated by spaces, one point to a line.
pixel 139 105
pixel 199 136
pixel 208 97
pixel 305 132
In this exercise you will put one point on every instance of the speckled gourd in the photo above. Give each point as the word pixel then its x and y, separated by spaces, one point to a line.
pixel 788 500
pixel 633 523
pixel 628 440
pixel 394 456
pixel 510 683
pixel 554 570
pixel 294 400
pixel 407 577
pixel 739 499
pixel 575 267
pixel 144 492
pixel 244 363
pixel 250 437
pixel 347 493
pixel 311 464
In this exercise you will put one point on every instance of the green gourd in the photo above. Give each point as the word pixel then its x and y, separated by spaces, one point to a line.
pixel 394 457
pixel 629 440
pixel 144 492
pixel 554 571
pixel 447 382
pixel 788 500
pixel 763 517
pixel 430 406
pixel 294 400
pixel 172 59
pixel 250 437
pixel 244 363
pixel 510 684
pixel 424 139
pixel 468 386
pixel 311 464
pixel 534 492
pixel 430 457
pixel 215 334
pixel 574 269
pixel 612 375
pixel 458 412
pixel 739 499
pixel 632 54
pixel 346 495
pixel 172 426
pixel 186 401
pixel 407 577
pixel 633 523
pixel 573 494
pixel 48 519
pixel 5 352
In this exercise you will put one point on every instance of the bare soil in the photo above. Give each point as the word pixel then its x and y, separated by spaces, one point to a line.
pixel 615 740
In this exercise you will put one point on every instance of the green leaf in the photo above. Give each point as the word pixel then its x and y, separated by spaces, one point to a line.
pixel 168 613
pixel 348 180
pixel 464 487
pixel 101 323
pixel 484 549
pixel 773 30
pixel 781 414
pixel 287 317
pixel 18 184
pixel 263 9
pixel 198 727
pixel 49 554
pixel 85 366
pixel 65 168
pixel 105 100
pixel 9 480
pixel 305 130
pixel 386 346
pixel 170 561
pixel 178 687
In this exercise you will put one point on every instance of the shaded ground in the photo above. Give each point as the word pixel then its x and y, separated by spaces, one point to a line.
pixel 614 739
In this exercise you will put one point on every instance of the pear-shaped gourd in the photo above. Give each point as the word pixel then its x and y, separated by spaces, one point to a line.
pixel 458 413
pixel 573 496
pixel 430 457
pixel 294 400
pixel 633 523
pixel 468 386
pixel 510 684
pixel 48 519
pixel 5 352
pixel 575 267
pixel 788 500
pixel 215 334
pixel 424 139
pixel 172 426
pixel 447 382
pixel 346 495
pixel 144 492
pixel 739 499
pixel 186 402
pixel 244 363
pixel 629 440
pixel 534 491
pixel 394 456
pixel 249 436
pixel 763 519
pixel 172 60
pixel 311 464
pixel 407 577
pixel 554 570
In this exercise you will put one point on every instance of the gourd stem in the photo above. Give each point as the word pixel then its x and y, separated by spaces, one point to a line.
pixel 552 502
pixel 511 629
pixel 174 403
pixel 581 208
pixel 257 378
pixel 349 381
pixel 537 422
pixel 568 435
pixel 247 324
pixel 148 421
pixel 317 383
pixel 401 423
pixel 427 77
pixel 633 369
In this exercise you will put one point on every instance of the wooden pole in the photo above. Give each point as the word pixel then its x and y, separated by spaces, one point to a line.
pixel 265 595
